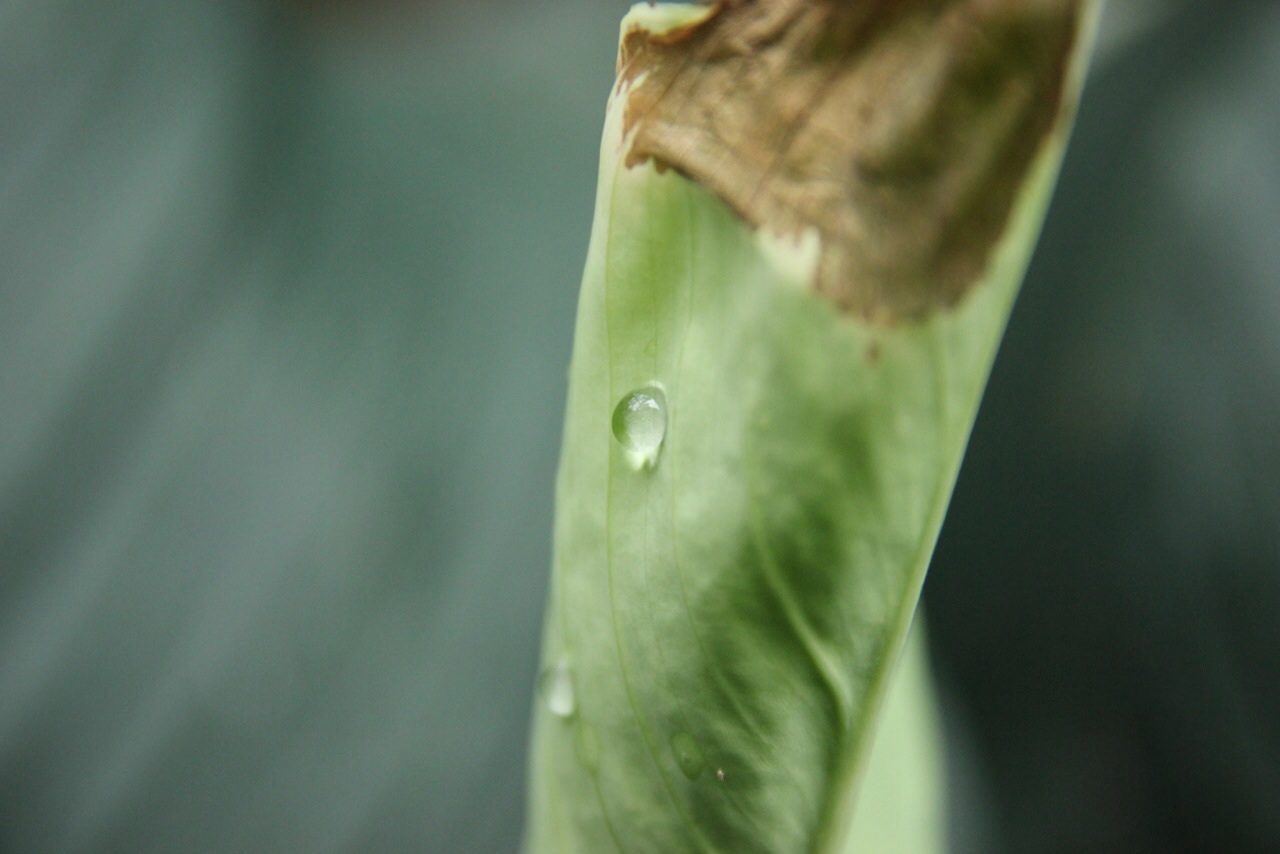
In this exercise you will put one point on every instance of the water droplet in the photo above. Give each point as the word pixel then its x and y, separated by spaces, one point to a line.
pixel 688 755
pixel 640 425
pixel 587 746
pixel 556 685
pixel 720 774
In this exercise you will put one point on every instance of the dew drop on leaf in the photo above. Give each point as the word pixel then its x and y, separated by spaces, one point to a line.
pixel 688 755
pixel 640 425
pixel 556 686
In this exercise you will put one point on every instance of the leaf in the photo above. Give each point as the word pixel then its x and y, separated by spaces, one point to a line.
pixel 901 802
pixel 728 602
pixel 899 132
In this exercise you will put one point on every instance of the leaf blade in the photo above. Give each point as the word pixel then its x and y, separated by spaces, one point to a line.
pixel 731 614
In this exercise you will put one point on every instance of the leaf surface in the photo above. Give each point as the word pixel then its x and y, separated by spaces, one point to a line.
pixel 727 607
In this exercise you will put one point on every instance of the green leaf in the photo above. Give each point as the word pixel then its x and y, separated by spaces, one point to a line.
pixel 901 803
pixel 728 602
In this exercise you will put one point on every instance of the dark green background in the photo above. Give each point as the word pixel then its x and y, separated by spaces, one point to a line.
pixel 286 293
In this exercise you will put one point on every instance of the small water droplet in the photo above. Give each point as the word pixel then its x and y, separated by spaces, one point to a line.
pixel 720 774
pixel 556 686
pixel 640 425
pixel 688 755
pixel 587 746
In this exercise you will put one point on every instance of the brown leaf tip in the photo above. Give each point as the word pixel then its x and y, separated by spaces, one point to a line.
pixel 901 130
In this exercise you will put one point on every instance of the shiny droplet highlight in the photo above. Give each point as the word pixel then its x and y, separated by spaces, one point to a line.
pixel 640 425
pixel 688 755
pixel 556 687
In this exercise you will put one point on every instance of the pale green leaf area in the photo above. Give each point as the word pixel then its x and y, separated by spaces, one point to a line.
pixel 901 802
pixel 724 622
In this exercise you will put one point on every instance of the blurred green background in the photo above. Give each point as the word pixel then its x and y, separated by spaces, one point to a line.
pixel 286 296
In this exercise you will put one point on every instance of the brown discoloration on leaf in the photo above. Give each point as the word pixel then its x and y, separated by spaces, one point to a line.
pixel 902 130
